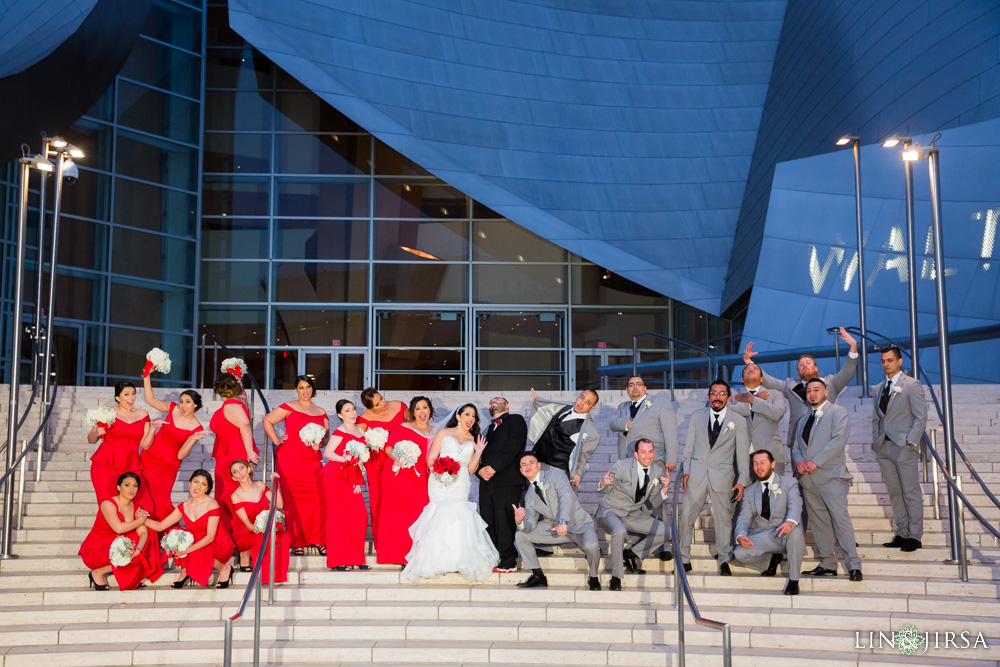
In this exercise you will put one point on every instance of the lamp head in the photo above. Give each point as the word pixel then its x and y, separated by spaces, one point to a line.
pixel 846 139
pixel 38 162
pixel 75 152
pixel 58 142
pixel 894 141
pixel 912 153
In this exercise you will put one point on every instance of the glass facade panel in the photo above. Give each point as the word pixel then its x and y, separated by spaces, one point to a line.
pixel 237 153
pixel 520 329
pixel 153 256
pixel 83 244
pixel 233 281
pixel 320 282
pixel 218 32
pixel 432 282
pixel 409 240
pixel 420 329
pixel 347 154
pixel 594 286
pixel 517 382
pixel 615 329
pixel 313 197
pixel 321 239
pixel 519 283
pixel 157 161
pixel 305 112
pixel 95 140
pixel 286 367
pixel 244 69
pixel 151 306
pixel 520 360
pixel 80 295
pixel 89 197
pixel 234 238
pixel 164 67
pixel 127 353
pixel 234 195
pixel 389 162
pixel 157 113
pixel 447 361
pixel 235 326
pixel 422 382
pixel 302 327
pixel 238 110
pixel 505 241
pixel 154 208
pixel 399 199
pixel 174 24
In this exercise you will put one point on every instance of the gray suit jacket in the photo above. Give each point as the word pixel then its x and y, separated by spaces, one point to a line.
pixel 656 421
pixel 827 446
pixel 618 497
pixel 763 428
pixel 585 446
pixel 560 504
pixel 905 417
pixel 717 462
pixel 797 407
pixel 785 506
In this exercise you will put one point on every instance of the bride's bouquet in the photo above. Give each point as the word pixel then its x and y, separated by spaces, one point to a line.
pixel 376 438
pixel 260 523
pixel 312 435
pixel 358 451
pixel 446 470
pixel 121 551
pixel 177 541
pixel 406 455
pixel 103 417
pixel 158 360
pixel 234 366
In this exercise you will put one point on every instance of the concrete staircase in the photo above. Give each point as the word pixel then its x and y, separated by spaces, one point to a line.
pixel 321 617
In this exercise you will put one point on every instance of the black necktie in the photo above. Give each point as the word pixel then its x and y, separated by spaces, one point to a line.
pixel 883 403
pixel 800 389
pixel 807 429
pixel 765 504
pixel 640 492
pixel 713 432
pixel 753 392
pixel 633 409
pixel 538 490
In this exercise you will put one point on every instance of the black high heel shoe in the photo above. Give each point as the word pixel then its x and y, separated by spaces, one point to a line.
pixel 320 548
pixel 95 585
pixel 180 584
pixel 231 579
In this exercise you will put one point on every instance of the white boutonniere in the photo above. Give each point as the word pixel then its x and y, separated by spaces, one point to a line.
pixel 542 485
pixel 649 404
pixel 897 390
pixel 730 426
pixel 819 414
pixel 775 489
pixel 653 482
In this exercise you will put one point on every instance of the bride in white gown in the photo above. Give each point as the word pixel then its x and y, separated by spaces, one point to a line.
pixel 450 536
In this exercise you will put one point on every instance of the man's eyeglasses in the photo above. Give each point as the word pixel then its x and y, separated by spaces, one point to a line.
pixel 720 394
pixel 636 384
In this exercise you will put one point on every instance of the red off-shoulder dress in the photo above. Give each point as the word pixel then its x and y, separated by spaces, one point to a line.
pixel 374 466
pixel 300 467
pixel 160 464
pixel 228 448
pixel 254 541
pixel 95 548
pixel 199 564
pixel 346 515
pixel 404 494
pixel 118 453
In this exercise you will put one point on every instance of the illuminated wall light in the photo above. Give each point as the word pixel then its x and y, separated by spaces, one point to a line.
pixel 852 268
pixel 989 234
pixel 817 274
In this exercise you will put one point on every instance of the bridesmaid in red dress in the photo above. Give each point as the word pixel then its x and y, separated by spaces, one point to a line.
pixel 233 440
pixel 212 545
pixel 404 493
pixel 119 451
pixel 249 500
pixel 346 516
pixel 380 413
pixel 172 442
pixel 300 467
pixel 119 515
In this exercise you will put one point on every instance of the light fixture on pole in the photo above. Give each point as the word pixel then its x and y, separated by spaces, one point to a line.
pixel 26 164
pixel 36 359
pixel 913 153
pixel 855 141
pixel 911 251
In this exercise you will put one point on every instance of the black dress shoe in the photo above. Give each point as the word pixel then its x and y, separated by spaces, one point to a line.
pixel 912 544
pixel 792 588
pixel 633 564
pixel 543 552
pixel 772 567
pixel 594 583
pixel 895 543
pixel 687 567
pixel 856 575
pixel 615 585
pixel 666 556
pixel 820 571
pixel 534 581
pixel 725 571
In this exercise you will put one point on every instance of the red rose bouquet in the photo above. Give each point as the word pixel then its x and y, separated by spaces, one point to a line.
pixel 445 469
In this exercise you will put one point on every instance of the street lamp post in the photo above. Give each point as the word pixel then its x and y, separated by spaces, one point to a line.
pixel 855 141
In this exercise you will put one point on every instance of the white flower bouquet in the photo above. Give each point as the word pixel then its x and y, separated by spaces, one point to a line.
pixel 121 551
pixel 312 435
pixel 376 438
pixel 358 451
pixel 234 366
pixel 158 360
pixel 103 417
pixel 177 541
pixel 260 523
pixel 406 454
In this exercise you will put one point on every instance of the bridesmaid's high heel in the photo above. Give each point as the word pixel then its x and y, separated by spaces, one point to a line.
pixel 95 585
pixel 180 584
pixel 231 579
pixel 363 566
pixel 339 568
pixel 320 548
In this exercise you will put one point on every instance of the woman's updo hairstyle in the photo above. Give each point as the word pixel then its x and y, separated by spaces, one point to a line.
pixel 228 386
pixel 368 397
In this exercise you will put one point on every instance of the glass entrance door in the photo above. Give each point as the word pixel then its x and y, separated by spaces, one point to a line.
pixel 419 349
pixel 586 363
pixel 341 369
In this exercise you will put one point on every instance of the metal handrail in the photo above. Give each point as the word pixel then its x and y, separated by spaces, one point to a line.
pixel 34 384
pixel 254 584
pixel 682 592
pixel 712 365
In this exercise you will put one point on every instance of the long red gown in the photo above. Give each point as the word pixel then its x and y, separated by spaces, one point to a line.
pixel 254 541
pixel 199 564
pixel 95 547
pixel 404 494
pixel 300 468
pixel 118 453
pixel 374 466
pixel 346 515
pixel 160 464
pixel 228 448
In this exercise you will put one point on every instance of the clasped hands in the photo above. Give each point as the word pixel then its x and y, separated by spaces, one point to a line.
pixel 805 467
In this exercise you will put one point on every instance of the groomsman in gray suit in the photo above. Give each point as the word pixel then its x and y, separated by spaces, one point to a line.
pixel 649 417
pixel 550 514
pixel 564 436
pixel 794 389
pixel 769 523
pixel 820 460
pixel 763 410
pixel 899 417
pixel 631 490
pixel 715 435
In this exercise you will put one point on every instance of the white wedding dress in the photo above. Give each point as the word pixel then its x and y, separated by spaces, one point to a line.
pixel 450 536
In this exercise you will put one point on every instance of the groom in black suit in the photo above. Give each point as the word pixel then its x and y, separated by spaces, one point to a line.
pixel 501 481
